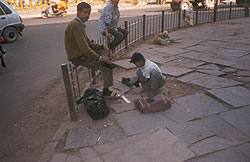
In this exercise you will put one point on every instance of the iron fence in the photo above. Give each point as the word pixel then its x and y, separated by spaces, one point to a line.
pixel 75 79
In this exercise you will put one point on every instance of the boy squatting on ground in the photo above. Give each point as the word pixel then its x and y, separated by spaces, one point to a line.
pixel 148 74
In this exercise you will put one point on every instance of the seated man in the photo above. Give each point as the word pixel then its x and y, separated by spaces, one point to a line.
pixel 81 51
pixel 108 24
pixel 148 74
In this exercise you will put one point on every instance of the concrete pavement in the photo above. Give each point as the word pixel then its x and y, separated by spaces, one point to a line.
pixel 209 65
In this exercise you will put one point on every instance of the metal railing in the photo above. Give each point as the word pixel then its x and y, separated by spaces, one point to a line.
pixel 138 30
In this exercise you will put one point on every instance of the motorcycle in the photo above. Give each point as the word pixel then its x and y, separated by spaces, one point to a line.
pixel 55 9
pixel 2 54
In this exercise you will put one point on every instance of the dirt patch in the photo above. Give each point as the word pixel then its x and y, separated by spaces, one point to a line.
pixel 26 139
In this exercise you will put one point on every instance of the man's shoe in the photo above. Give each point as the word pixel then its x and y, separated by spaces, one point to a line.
pixel 127 82
pixel 137 84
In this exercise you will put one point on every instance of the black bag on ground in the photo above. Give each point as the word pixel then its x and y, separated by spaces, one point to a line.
pixel 94 104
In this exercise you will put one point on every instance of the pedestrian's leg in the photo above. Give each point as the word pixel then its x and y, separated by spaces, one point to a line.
pixel 156 80
pixel 118 36
pixel 124 32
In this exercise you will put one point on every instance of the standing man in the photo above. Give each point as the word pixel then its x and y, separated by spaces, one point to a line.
pixel 81 51
pixel 108 24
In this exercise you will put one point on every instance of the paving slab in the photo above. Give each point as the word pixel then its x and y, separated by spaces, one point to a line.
pixel 212 72
pixel 243 73
pixel 160 59
pixel 124 63
pixel 81 138
pixel 244 79
pixel 111 146
pixel 208 67
pixel 177 114
pixel 242 64
pixel 122 107
pixel 244 148
pixel 214 82
pixel 72 158
pixel 210 145
pixel 134 122
pixel 214 43
pixel 157 147
pixel 127 74
pixel 224 130
pixel 119 87
pixel 59 157
pixel 110 133
pixel 87 153
pixel 200 105
pixel 229 70
pixel 228 155
pixel 96 159
pixel 230 52
pixel 185 63
pixel 172 50
pixel 174 70
pixel 190 132
pixel 191 76
pixel 239 118
pixel 236 96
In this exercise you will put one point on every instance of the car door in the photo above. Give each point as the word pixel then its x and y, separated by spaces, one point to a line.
pixel 3 19
pixel 6 15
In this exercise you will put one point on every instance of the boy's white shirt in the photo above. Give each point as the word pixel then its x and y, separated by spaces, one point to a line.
pixel 148 67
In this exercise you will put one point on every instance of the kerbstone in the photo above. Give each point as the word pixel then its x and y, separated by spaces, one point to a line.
pixel 200 105
pixel 174 71
pixel 81 138
pixel 134 122
pixel 190 132
pixel 239 118
pixel 157 147
pixel 235 96
pixel 210 145
pixel 178 114
pixel 224 130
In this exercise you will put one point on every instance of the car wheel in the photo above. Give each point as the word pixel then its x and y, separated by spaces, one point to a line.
pixel 185 4
pixel 209 4
pixel 10 34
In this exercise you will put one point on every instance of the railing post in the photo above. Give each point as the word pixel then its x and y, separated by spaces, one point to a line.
pixel 162 21
pixel 68 89
pixel 143 26
pixel 230 11
pixel 126 39
pixel 179 19
pixel 196 16
pixel 215 10
pixel 246 8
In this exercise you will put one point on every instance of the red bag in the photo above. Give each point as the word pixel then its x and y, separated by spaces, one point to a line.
pixel 159 102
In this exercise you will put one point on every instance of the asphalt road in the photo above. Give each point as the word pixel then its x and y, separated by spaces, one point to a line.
pixel 33 62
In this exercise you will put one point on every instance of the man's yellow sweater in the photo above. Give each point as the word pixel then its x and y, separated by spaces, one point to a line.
pixel 77 43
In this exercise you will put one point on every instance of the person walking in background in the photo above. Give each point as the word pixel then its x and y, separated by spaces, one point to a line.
pixel 108 24
pixel 81 51
pixel 148 74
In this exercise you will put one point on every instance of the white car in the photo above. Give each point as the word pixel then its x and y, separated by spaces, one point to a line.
pixel 11 24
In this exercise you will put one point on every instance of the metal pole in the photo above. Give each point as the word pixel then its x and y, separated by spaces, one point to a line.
pixel 143 26
pixel 65 73
pixel 246 8
pixel 126 39
pixel 162 21
pixel 179 19
pixel 215 10
pixel 196 16
pixel 230 11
